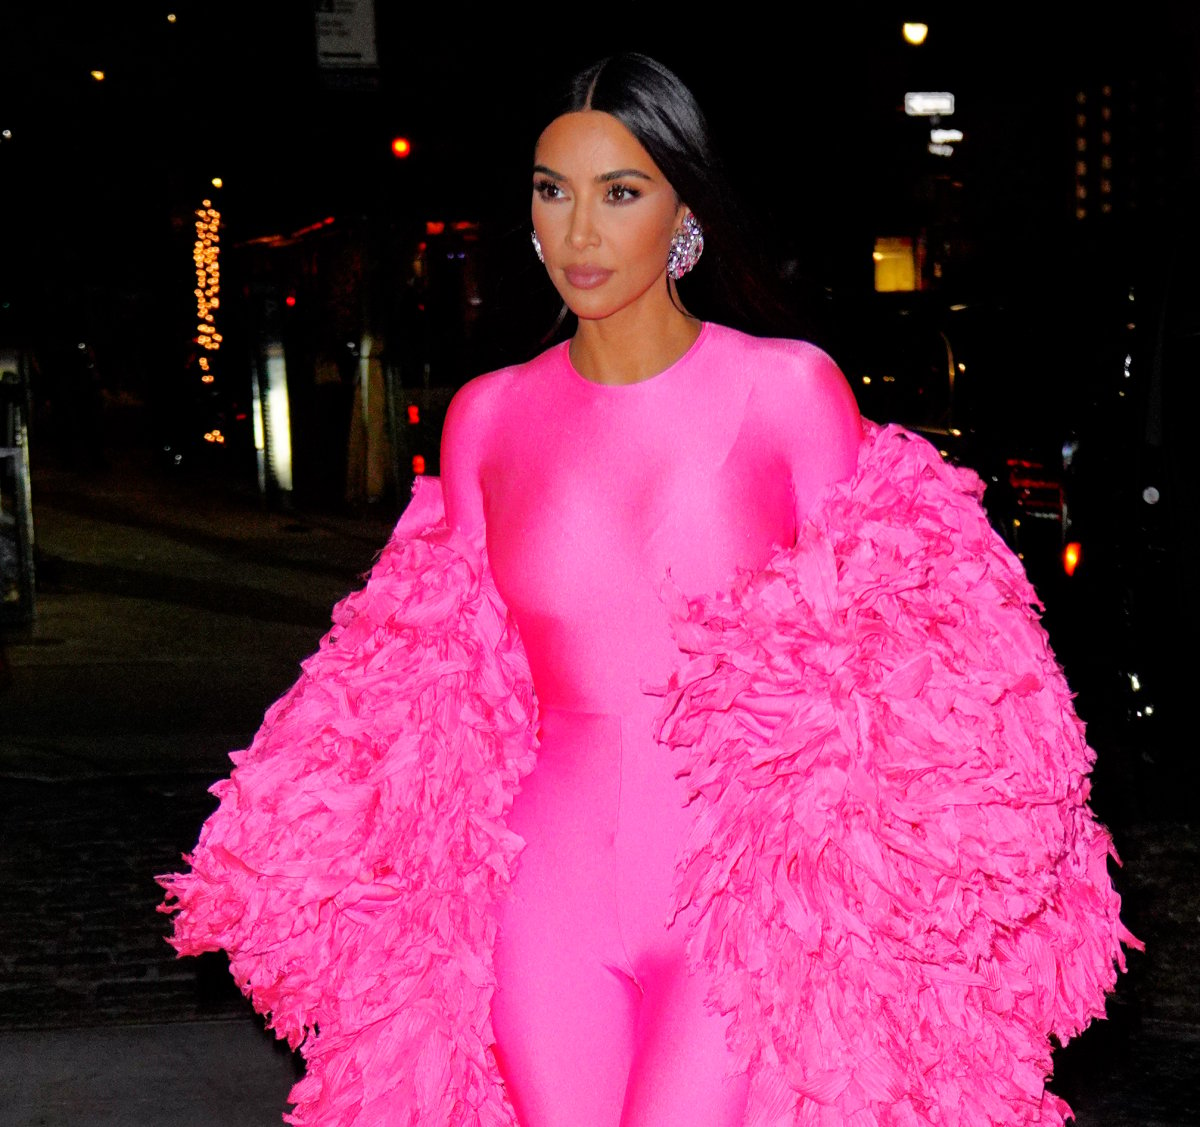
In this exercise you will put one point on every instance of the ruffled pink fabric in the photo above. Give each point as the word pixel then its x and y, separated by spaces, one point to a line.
pixel 353 866
pixel 899 888
pixel 897 884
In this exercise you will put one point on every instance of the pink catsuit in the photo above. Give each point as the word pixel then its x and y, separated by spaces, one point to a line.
pixel 593 495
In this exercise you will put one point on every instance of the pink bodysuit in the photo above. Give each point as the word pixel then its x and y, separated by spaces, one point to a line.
pixel 592 495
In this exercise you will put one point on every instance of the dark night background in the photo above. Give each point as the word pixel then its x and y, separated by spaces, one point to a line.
pixel 179 579
pixel 1060 276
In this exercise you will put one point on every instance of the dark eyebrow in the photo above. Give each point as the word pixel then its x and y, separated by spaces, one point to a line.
pixel 604 178
pixel 623 174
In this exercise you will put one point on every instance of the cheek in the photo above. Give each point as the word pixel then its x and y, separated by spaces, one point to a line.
pixel 653 240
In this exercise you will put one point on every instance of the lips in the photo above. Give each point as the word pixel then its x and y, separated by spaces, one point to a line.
pixel 586 277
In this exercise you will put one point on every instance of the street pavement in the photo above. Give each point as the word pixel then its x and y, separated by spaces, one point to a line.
pixel 171 613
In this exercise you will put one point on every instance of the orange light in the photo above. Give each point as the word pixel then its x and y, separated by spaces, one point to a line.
pixel 207 379
pixel 1071 554
pixel 434 227
pixel 414 413
pixel 401 147
pixel 418 463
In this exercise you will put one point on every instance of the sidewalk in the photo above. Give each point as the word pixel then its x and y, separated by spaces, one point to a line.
pixel 170 617
pixel 203 1074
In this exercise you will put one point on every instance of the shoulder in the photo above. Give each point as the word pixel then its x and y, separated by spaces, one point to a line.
pixel 481 404
pixel 480 414
pixel 781 366
pixel 801 406
pixel 792 380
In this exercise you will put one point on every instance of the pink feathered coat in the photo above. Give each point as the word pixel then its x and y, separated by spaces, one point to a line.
pixel 903 893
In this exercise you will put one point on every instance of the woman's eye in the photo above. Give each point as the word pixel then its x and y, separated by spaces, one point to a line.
pixel 547 189
pixel 622 193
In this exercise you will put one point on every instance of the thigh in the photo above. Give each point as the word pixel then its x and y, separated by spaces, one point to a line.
pixel 564 1031
pixel 681 1067
pixel 565 1009
pixel 681 1070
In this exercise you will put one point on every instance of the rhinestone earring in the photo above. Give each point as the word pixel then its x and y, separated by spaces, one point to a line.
pixel 687 244
pixel 537 247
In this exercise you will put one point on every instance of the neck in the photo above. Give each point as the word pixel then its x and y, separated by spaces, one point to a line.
pixel 631 346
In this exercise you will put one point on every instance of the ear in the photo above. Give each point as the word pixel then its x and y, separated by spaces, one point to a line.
pixel 680 212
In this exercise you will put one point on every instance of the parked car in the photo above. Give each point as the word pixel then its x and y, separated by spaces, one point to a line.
pixel 960 377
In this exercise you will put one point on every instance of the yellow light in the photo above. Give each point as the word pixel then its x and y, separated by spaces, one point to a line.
pixel 206 254
pixel 171 17
pixel 98 75
pixel 207 379
pixel 217 182
pixel 914 33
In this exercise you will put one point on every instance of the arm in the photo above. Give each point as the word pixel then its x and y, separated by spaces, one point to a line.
pixel 835 434
pixel 464 439
pixel 810 413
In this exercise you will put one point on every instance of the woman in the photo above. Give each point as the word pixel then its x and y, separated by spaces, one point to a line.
pixel 810 846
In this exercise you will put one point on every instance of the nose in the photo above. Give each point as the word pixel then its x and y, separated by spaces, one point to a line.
pixel 582 231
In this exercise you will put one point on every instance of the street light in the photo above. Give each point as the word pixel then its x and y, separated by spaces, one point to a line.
pixel 914 33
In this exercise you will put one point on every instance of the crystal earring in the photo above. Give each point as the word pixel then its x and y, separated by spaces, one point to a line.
pixel 687 244
pixel 537 247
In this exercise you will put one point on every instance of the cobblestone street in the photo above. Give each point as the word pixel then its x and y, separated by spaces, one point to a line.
pixel 165 628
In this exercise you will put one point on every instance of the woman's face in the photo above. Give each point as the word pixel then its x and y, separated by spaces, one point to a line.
pixel 604 214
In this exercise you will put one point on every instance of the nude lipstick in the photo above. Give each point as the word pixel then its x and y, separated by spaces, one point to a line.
pixel 586 277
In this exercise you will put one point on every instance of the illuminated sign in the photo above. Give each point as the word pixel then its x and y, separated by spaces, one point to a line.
pixel 918 103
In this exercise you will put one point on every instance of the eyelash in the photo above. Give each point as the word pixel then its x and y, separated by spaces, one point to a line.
pixel 628 194
pixel 550 190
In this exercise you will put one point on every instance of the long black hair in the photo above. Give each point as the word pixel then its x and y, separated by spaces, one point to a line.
pixel 732 283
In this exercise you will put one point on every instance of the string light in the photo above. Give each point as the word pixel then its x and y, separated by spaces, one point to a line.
pixel 206 256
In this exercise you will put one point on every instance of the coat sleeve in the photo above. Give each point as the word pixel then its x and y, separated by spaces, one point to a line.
pixel 352 868
pixel 895 882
